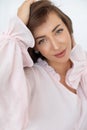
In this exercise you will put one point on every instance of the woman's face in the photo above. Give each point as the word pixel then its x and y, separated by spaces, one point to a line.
pixel 53 40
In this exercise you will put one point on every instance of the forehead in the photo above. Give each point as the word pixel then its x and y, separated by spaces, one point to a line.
pixel 52 20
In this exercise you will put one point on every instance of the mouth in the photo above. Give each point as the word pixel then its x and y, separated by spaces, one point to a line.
pixel 61 54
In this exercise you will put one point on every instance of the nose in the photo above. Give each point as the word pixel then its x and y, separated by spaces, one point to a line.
pixel 54 43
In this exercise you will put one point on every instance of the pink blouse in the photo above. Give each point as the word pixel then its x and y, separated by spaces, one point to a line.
pixel 31 95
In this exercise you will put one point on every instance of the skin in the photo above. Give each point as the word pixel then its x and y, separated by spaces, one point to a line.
pixel 24 11
pixel 56 39
pixel 52 37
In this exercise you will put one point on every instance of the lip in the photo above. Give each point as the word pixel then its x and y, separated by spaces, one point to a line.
pixel 61 54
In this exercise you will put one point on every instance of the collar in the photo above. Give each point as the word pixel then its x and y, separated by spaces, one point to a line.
pixel 73 76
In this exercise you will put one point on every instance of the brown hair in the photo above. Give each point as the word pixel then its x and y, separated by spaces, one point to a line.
pixel 38 15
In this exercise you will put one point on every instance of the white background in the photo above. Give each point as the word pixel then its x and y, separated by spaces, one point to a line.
pixel 75 9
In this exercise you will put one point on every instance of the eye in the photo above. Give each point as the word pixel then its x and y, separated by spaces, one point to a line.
pixel 59 31
pixel 41 41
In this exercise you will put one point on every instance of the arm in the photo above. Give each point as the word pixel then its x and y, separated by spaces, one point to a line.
pixel 14 95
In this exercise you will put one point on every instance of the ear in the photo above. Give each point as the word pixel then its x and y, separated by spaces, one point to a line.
pixel 36 50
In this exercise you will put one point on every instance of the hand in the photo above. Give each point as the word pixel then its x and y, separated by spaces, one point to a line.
pixel 24 11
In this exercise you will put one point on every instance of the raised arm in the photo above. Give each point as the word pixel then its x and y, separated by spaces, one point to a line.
pixel 14 95
pixel 24 11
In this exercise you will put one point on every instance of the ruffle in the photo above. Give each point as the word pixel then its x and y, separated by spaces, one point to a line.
pixel 22 38
pixel 49 69
pixel 73 76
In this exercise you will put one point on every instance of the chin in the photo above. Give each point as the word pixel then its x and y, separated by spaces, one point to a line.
pixel 63 60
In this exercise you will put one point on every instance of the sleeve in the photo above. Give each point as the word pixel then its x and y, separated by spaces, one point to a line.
pixel 14 94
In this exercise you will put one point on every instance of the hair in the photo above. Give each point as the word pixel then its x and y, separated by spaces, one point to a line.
pixel 38 15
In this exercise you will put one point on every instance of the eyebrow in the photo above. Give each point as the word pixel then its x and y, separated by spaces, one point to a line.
pixel 55 27
pixel 44 35
pixel 39 37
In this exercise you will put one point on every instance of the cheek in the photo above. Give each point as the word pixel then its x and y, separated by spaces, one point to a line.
pixel 68 41
pixel 44 49
pixel 66 37
pixel 69 47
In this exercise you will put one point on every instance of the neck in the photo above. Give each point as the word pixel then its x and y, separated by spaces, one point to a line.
pixel 61 68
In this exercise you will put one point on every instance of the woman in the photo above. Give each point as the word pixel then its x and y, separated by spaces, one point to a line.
pixel 45 89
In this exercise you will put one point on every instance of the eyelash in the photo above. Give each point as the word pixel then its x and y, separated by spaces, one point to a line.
pixel 59 31
pixel 41 41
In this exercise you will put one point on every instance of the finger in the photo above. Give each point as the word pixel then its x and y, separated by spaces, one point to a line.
pixel 32 1
pixel 29 1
